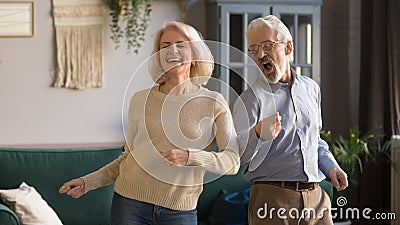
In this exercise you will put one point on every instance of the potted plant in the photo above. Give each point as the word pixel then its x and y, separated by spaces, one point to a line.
pixel 353 154
pixel 129 21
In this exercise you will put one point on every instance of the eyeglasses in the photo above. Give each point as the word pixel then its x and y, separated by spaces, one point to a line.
pixel 266 45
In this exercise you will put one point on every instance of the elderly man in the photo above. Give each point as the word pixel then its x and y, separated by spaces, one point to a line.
pixel 278 120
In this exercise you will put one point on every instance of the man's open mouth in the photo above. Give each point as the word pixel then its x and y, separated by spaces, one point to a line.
pixel 268 66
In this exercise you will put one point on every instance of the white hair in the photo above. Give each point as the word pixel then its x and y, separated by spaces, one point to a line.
pixel 274 23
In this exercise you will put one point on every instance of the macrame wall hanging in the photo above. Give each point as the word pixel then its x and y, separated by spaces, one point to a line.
pixel 79 26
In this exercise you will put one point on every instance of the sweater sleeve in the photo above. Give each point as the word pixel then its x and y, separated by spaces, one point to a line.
pixel 105 175
pixel 226 160
pixel 109 173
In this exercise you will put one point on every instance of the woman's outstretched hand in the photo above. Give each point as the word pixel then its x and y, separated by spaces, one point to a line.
pixel 74 188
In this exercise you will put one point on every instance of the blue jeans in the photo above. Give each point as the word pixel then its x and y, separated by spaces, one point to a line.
pixel 125 211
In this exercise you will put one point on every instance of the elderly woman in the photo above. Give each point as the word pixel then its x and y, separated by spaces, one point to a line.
pixel 170 142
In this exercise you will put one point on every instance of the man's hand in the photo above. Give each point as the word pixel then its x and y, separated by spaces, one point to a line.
pixel 74 188
pixel 269 128
pixel 177 156
pixel 338 178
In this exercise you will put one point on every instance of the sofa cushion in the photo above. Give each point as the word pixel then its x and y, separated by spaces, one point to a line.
pixel 230 208
pixel 47 169
pixel 211 191
pixel 29 206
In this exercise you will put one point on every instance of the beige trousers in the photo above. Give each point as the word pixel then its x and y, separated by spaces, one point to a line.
pixel 273 205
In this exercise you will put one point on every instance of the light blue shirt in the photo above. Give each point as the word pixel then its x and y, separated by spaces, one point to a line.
pixel 297 153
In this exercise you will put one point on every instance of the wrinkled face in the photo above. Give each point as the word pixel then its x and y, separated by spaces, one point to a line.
pixel 274 62
pixel 175 52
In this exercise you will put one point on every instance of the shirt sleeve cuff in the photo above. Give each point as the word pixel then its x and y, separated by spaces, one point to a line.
pixel 328 165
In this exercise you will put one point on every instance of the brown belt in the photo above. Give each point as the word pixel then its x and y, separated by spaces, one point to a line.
pixel 297 186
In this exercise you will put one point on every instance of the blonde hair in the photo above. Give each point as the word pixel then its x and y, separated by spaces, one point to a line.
pixel 273 22
pixel 200 70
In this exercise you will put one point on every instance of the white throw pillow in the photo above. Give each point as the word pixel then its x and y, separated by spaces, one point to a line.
pixel 29 206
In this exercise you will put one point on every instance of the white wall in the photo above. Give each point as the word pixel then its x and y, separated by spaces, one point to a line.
pixel 34 113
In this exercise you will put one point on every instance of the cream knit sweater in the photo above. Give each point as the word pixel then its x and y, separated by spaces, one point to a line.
pixel 161 122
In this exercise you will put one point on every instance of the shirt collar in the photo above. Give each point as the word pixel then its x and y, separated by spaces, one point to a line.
pixel 294 76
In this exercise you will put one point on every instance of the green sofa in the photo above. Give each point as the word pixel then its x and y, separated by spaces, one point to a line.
pixel 47 169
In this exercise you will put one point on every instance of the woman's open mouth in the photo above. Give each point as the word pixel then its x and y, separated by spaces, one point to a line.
pixel 174 60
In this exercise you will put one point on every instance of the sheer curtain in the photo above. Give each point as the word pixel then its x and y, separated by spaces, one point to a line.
pixel 379 92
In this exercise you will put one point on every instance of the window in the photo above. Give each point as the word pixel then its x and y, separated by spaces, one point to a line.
pixel 227 22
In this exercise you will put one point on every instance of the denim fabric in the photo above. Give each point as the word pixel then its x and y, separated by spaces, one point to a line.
pixel 125 211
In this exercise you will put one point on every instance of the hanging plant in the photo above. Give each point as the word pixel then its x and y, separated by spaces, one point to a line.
pixel 129 21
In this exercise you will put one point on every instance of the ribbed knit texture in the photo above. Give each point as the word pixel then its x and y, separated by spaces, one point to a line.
pixel 157 122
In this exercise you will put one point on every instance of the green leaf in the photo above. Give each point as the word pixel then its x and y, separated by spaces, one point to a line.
pixel 135 18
